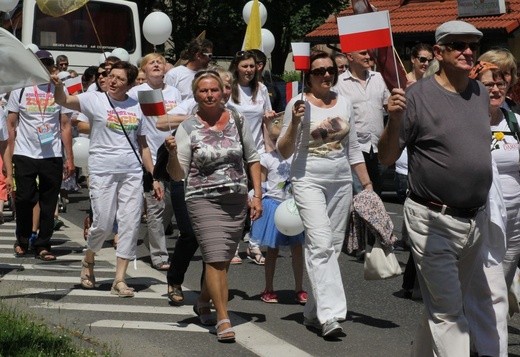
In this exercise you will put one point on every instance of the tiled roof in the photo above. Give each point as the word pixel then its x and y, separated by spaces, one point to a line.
pixel 422 17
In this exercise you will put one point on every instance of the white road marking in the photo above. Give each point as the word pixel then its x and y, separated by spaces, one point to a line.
pixel 137 309
pixel 149 325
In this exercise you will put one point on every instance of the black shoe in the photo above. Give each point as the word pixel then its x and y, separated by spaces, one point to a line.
pixel 58 223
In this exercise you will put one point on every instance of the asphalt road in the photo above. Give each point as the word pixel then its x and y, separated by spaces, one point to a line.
pixel 380 321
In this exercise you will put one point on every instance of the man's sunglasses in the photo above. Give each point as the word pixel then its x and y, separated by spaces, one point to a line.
pixel 320 71
pixel 462 46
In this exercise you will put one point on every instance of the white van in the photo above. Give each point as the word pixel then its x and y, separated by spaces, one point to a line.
pixel 116 23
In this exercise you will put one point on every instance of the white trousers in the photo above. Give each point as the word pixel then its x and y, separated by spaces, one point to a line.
pixel 119 197
pixel 324 208
pixel 158 216
pixel 486 309
pixel 446 251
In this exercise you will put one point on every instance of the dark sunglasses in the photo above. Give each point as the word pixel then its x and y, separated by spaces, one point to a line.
pixel 104 74
pixel 462 46
pixel 206 72
pixel 320 71
pixel 424 59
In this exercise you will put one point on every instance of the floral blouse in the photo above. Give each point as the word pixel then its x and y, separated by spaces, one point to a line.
pixel 213 160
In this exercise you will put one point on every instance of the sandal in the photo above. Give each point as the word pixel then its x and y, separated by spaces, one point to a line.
pixel 164 266
pixel 45 255
pixel 120 289
pixel 255 255
pixel 19 251
pixel 301 297
pixel 203 311
pixel 175 294
pixel 227 334
pixel 88 281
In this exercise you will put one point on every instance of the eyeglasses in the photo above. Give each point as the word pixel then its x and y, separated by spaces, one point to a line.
pixel 491 85
pixel 208 54
pixel 462 46
pixel 424 59
pixel 320 71
pixel 205 73
pixel 111 77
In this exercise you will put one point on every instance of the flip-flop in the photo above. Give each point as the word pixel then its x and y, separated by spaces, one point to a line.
pixel 45 255
pixel 19 251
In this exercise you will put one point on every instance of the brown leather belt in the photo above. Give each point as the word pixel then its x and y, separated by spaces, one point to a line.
pixel 439 207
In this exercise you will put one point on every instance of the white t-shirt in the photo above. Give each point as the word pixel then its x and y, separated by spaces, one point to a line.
pixel 278 173
pixel 185 107
pixel 154 136
pixel 181 77
pixel 3 124
pixel 326 142
pixel 253 111
pixel 507 157
pixel 38 134
pixel 110 151
pixel 401 165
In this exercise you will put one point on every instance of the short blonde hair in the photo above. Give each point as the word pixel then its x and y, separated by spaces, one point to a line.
pixel 200 75
pixel 504 59
pixel 150 57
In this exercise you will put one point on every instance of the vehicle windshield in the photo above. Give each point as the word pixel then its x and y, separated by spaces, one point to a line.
pixel 74 31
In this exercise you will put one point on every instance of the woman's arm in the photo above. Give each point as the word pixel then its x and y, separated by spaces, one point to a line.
pixel 173 167
pixel 256 201
pixel 286 143
pixel 146 156
pixel 360 169
pixel 62 98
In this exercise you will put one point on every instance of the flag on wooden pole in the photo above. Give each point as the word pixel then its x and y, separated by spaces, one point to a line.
pixel 301 55
pixel 365 31
pixel 253 37
pixel 393 72
pixel 152 102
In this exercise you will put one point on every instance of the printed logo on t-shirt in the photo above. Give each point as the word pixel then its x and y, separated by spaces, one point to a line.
pixel 129 120
pixel 326 135
pixel 169 104
pixel 31 103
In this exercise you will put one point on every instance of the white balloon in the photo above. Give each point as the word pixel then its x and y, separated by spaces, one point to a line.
pixel 121 53
pixel 246 13
pixel 80 147
pixel 267 41
pixel 32 47
pixel 103 57
pixel 8 5
pixel 157 28
pixel 287 218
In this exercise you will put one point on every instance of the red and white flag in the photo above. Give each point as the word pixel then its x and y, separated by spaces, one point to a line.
pixel 365 31
pixel 301 55
pixel 73 85
pixel 152 102
pixel 291 90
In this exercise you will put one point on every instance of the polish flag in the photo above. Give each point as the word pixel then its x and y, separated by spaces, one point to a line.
pixel 301 55
pixel 73 85
pixel 291 90
pixel 365 31
pixel 152 102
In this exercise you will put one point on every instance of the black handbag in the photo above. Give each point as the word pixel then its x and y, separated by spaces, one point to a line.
pixel 159 170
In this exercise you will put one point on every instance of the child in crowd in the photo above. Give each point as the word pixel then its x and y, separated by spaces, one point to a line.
pixel 275 174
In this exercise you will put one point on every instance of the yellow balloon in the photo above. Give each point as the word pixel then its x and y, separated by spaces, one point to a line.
pixel 58 8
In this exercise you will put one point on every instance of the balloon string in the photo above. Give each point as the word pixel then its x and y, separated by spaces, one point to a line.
pixel 95 30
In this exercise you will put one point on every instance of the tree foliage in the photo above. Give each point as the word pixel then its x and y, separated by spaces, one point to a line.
pixel 288 20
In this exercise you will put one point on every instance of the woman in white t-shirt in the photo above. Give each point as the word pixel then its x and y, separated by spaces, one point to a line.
pixel 115 172
pixel 250 97
pixel 319 130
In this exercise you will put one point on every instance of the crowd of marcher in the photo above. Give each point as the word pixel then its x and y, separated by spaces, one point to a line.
pixel 231 160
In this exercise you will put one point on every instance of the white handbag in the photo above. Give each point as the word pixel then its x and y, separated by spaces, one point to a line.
pixel 380 264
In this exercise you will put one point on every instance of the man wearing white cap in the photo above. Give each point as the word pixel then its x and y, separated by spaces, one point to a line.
pixel 443 121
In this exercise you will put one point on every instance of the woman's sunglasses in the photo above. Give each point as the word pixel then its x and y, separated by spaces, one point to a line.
pixel 320 71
